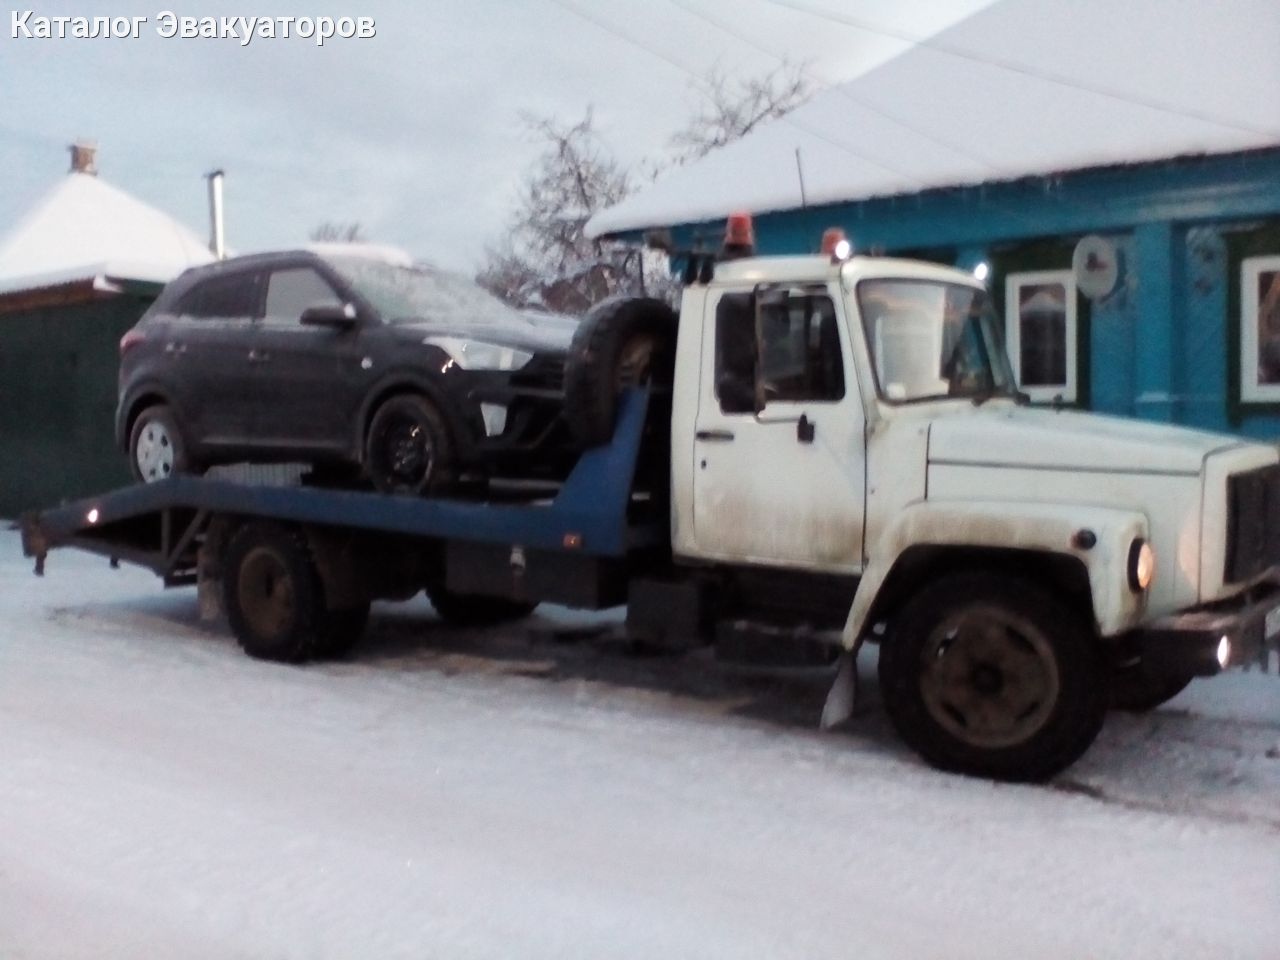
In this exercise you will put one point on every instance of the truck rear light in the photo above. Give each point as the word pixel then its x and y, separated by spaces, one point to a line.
pixel 131 339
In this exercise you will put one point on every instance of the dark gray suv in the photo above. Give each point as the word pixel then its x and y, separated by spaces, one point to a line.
pixel 341 357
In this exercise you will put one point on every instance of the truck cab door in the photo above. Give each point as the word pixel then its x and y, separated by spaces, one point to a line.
pixel 779 472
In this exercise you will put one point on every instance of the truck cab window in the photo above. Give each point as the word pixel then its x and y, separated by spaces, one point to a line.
pixel 800 348
pixel 736 353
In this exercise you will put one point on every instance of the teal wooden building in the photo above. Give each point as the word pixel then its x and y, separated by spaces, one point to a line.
pixel 1112 170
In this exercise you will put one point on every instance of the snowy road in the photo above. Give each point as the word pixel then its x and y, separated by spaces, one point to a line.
pixel 527 795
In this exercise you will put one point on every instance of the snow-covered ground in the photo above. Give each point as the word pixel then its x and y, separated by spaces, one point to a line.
pixel 538 792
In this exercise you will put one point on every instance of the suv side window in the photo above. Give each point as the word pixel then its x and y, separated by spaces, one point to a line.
pixel 233 295
pixel 293 290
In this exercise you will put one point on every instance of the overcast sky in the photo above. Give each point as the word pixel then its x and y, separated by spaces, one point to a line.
pixel 415 133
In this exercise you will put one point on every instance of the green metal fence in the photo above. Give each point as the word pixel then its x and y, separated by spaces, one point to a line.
pixel 58 368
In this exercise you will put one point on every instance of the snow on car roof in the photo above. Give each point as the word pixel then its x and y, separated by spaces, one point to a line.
pixel 1021 88
pixel 380 252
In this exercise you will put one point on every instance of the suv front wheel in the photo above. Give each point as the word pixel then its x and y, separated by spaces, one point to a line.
pixel 407 447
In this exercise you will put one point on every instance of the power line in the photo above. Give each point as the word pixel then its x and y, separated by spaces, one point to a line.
pixel 844 92
pixel 1011 66
pixel 702 83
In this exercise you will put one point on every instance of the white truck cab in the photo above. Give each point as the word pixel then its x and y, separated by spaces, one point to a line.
pixel 853 423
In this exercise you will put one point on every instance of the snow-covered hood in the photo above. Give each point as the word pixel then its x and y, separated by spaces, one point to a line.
pixel 1010 436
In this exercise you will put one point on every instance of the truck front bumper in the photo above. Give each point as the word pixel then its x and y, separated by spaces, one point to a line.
pixel 1209 639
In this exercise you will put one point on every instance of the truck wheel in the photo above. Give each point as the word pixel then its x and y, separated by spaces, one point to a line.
pixel 620 344
pixel 471 610
pixel 407 448
pixel 992 676
pixel 156 448
pixel 1135 691
pixel 340 630
pixel 272 593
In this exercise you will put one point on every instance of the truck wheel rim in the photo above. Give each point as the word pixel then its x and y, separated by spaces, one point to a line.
pixel 989 677
pixel 406 452
pixel 154 452
pixel 266 593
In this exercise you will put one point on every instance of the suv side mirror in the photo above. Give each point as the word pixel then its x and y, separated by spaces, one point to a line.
pixel 336 317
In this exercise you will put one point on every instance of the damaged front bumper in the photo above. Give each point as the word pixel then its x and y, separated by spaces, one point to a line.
pixel 1207 640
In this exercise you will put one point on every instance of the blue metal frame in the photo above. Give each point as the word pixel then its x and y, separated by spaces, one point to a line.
pixel 588 515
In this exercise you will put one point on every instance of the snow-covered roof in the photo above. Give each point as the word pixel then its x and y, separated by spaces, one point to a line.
pixel 84 229
pixel 1021 88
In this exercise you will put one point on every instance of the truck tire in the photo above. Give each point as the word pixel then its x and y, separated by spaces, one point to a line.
pixel 473 610
pixel 992 676
pixel 157 449
pixel 621 343
pixel 340 630
pixel 272 593
pixel 407 447
pixel 1133 690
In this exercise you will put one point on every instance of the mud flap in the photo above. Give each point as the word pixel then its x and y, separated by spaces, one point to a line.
pixel 843 695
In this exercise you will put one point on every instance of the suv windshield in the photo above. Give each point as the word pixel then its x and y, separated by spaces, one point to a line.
pixel 422 293
pixel 931 340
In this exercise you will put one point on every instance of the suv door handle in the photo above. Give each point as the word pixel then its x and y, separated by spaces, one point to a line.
pixel 259 356
pixel 171 347
pixel 720 435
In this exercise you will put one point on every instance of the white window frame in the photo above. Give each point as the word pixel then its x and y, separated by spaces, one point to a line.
pixel 1251 391
pixel 1013 285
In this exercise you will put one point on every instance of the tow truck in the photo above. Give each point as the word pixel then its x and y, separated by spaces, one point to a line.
pixel 823 449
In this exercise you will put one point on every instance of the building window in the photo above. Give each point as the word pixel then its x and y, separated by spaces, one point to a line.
pixel 1040 330
pixel 1260 329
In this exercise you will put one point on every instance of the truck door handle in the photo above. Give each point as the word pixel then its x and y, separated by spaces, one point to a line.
pixel 804 429
pixel 719 435
pixel 175 348
pixel 259 356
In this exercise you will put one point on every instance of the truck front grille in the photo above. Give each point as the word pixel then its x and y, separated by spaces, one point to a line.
pixel 1253 523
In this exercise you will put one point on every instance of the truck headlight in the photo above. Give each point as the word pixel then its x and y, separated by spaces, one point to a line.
pixel 1142 565
pixel 478 355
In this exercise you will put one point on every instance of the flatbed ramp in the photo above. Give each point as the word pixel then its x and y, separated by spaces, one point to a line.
pixel 597 514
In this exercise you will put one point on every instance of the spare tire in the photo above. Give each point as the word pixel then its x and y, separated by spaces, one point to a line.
pixel 621 343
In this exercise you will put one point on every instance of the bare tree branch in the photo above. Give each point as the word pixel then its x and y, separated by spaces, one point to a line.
pixel 732 110
pixel 336 232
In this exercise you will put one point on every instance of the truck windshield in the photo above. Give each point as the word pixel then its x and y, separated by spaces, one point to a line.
pixel 931 340
pixel 423 293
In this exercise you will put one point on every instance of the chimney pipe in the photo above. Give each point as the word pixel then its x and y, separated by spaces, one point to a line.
pixel 217 233
pixel 84 157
